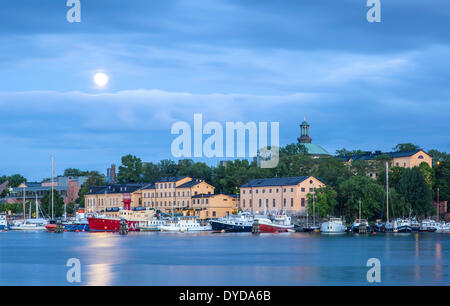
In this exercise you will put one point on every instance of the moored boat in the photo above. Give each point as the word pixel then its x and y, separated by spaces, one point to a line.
pixel 3 223
pixel 184 224
pixel 242 222
pixel 333 226
pixel 428 225
pixel 272 224
pixel 358 224
pixel 29 225
pixel 103 223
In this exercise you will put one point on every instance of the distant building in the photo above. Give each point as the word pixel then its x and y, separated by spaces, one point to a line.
pixel 304 139
pixel 67 186
pixel 111 174
pixel 278 194
pixel 408 159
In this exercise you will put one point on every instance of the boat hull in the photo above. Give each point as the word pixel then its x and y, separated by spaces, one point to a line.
pixel 76 227
pixel 110 225
pixel 273 228
pixel 222 226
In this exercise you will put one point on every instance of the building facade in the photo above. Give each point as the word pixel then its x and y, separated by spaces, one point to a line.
pixel 408 159
pixel 278 194
pixel 185 195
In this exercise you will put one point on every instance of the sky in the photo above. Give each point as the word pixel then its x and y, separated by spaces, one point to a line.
pixel 360 85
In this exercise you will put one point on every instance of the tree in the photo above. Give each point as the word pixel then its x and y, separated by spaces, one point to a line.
pixel 13 181
pixel 324 202
pixel 416 192
pixel 74 172
pixel 94 179
pixel 167 168
pixel 365 189
pixel 442 174
pixel 150 172
pixel 405 147
pixel 344 152
pixel 58 204
pixel 131 170
pixel 438 156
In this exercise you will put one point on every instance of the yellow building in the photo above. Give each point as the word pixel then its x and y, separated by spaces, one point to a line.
pixel 172 194
pixel 278 194
pixel 212 206
pixel 408 159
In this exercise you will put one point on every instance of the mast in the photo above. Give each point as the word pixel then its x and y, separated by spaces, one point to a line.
pixel 37 207
pixel 52 192
pixel 360 209
pixel 24 208
pixel 387 192
pixel 314 211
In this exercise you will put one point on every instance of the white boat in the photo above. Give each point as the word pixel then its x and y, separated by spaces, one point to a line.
pixel 29 225
pixel 333 226
pixel 3 223
pixel 184 224
pixel 242 222
pixel 429 225
pixel 153 225
pixel 277 223
pixel 443 228
pixel 357 223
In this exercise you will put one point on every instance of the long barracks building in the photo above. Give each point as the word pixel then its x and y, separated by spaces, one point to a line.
pixel 170 194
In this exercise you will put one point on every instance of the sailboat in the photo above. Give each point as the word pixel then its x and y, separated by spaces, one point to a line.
pixel 37 224
pixel 314 227
pixel 356 225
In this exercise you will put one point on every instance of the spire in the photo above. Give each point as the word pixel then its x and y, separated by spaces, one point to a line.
pixel 304 135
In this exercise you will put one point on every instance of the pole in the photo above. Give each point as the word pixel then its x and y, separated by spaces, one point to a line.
pixel 359 209
pixel 53 214
pixel 387 192
pixel 437 216
pixel 24 209
pixel 37 207
pixel 314 211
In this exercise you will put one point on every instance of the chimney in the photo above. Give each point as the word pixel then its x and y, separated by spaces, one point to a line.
pixel 113 174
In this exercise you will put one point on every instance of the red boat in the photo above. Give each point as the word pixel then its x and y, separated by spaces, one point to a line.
pixel 112 224
pixel 276 224
pixel 105 224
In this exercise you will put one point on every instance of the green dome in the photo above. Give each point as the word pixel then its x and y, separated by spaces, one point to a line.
pixel 314 149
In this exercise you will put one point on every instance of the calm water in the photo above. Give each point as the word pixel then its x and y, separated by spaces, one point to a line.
pixel 39 258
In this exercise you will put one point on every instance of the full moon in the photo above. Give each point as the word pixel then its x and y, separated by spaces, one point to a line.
pixel 100 79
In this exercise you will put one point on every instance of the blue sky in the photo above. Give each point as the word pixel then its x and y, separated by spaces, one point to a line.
pixel 361 85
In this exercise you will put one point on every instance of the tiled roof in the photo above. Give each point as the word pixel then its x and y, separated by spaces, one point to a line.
pixel 191 183
pixel 170 179
pixel 116 188
pixel 372 156
pixel 283 181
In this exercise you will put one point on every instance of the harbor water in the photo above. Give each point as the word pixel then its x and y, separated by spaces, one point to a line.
pixel 39 258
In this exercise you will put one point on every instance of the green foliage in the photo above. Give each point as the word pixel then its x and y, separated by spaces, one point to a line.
pixel 58 204
pixel 131 170
pixel 405 147
pixel 442 175
pixel 94 179
pixel 344 152
pixel 13 181
pixel 416 192
pixel 365 189
pixel 325 202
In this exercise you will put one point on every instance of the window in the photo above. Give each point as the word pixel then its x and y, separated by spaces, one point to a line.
pixel 243 191
pixel 273 202
pixel 303 202
pixel 284 203
pixel 420 157
pixel 270 190
pixel 214 213
pixel 303 189
pixel 292 202
pixel 259 202
pixel 311 190
pixel 292 189
pixel 256 190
